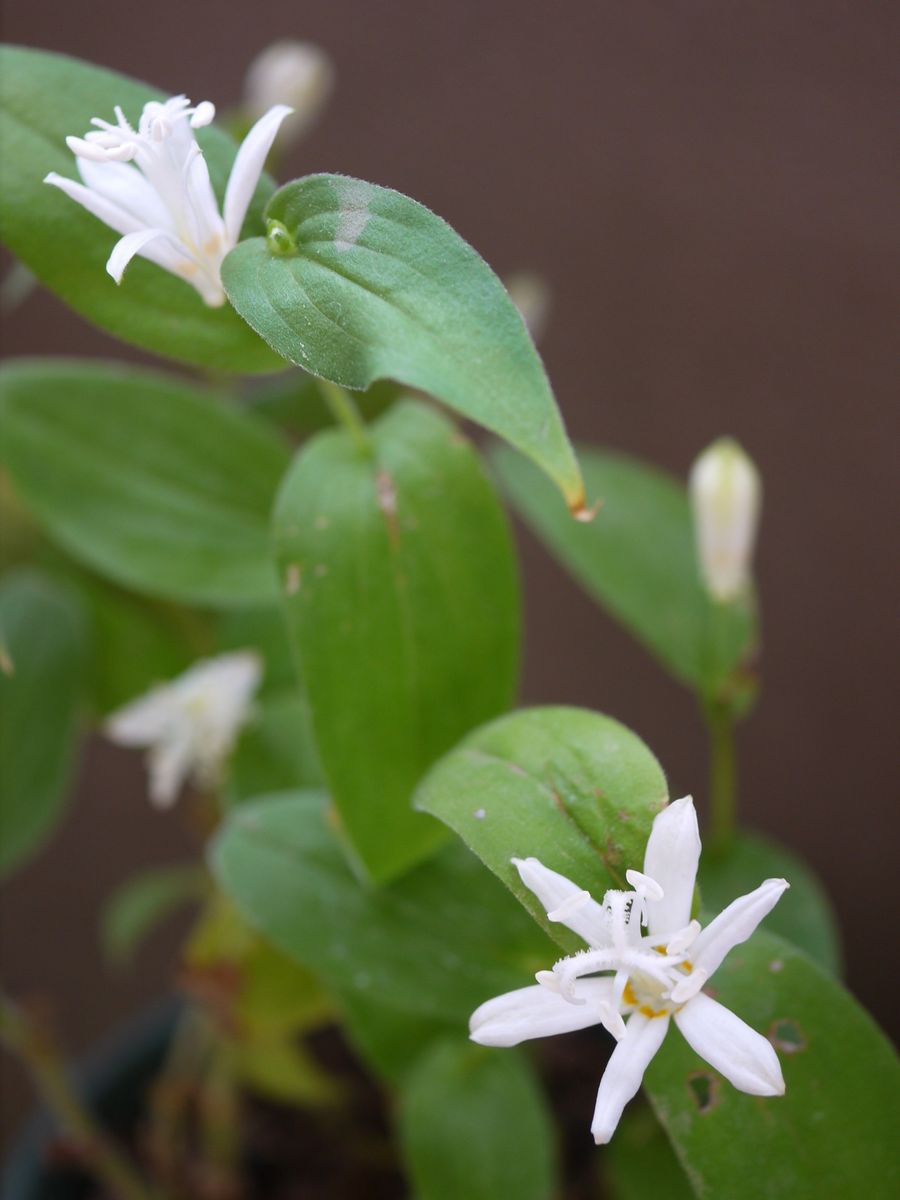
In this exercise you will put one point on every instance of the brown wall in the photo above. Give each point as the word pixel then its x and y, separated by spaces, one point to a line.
pixel 707 188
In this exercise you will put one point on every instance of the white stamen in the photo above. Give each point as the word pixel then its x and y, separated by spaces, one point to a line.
pixel 680 941
pixel 644 884
pixel 572 904
pixel 688 987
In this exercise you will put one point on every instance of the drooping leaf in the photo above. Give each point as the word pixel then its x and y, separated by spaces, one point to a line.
pixel 473 1123
pixel 575 789
pixel 833 1133
pixel 42 643
pixel 145 901
pixel 803 915
pixel 637 558
pixel 366 284
pixel 402 597
pixel 275 751
pixel 45 97
pixel 155 484
pixel 434 944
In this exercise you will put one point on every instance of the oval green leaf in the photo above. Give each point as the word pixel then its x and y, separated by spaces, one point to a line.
pixel 575 789
pixel 402 598
pixel 43 98
pixel 375 286
pixel 156 484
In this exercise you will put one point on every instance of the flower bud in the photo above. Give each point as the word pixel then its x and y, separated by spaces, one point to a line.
pixel 531 296
pixel 298 74
pixel 725 496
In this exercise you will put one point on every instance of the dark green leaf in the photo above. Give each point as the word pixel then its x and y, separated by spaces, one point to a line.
pixel 43 635
pixel 43 98
pixel 374 286
pixel 639 1163
pixel 473 1123
pixel 402 596
pixel 575 789
pixel 145 902
pixel 275 751
pixel 294 403
pixel 154 483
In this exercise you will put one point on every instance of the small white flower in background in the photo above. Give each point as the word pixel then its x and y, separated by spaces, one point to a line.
pixel 649 978
pixel 288 72
pixel 189 725
pixel 725 496
pixel 151 184
pixel 531 296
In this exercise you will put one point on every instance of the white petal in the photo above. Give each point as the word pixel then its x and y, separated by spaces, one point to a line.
pixel 143 721
pixel 170 763
pixel 553 890
pixel 109 213
pixel 735 923
pixel 248 166
pixel 671 858
pixel 165 251
pixel 125 186
pixel 623 1075
pixel 538 1012
pixel 743 1056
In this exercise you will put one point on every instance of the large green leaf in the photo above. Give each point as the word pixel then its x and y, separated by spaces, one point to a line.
pixel 575 789
pixel 803 915
pixel 834 1131
pixel 637 558
pixel 434 944
pixel 402 597
pixel 639 1163
pixel 43 98
pixel 42 636
pixel 474 1123
pixel 157 485
pixel 359 283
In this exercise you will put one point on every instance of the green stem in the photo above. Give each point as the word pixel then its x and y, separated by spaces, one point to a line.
pixel 29 1041
pixel 346 413
pixel 722 776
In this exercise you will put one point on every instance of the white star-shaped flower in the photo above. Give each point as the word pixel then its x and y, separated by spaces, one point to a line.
pixel 189 725
pixel 151 184
pixel 649 978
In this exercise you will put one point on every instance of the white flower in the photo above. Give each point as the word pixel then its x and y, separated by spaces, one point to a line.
pixel 288 72
pixel 152 186
pixel 648 978
pixel 725 496
pixel 189 725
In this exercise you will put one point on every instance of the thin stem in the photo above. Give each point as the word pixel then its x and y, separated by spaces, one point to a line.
pixel 722 775
pixel 346 413
pixel 25 1037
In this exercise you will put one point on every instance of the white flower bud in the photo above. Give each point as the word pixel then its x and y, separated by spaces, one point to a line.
pixel 531 296
pixel 298 74
pixel 725 496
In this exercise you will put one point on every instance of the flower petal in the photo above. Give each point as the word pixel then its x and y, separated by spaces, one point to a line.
pixel 100 206
pixel 671 858
pixel 538 1012
pixel 553 890
pixel 735 923
pixel 143 721
pixel 743 1056
pixel 623 1075
pixel 170 762
pixel 124 185
pixel 248 166
pixel 166 252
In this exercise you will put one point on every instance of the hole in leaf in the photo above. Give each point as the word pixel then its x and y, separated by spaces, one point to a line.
pixel 787 1036
pixel 704 1089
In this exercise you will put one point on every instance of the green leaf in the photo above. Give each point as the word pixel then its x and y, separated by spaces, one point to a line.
pixel 389 1041
pixel 156 484
pixel 637 558
pixel 294 403
pixel 45 97
pixel 43 641
pixel 474 1123
pixel 834 1131
pixel 264 630
pixel 276 751
pixel 639 1163
pixel 434 944
pixel 575 789
pixel 374 286
pixel 402 596
pixel 144 902
pixel 804 915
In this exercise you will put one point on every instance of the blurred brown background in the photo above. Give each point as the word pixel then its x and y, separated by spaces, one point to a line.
pixel 710 191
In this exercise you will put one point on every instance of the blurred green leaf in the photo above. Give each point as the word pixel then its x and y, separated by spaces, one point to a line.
pixel 275 751
pixel 294 403
pixel 402 596
pixel 264 629
pixel 639 1163
pixel 45 97
pixel 378 287
pixel 144 902
pixel 575 789
pixel 43 635
pixel 474 1123
pixel 154 483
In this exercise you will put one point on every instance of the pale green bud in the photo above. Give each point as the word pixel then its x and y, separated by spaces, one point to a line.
pixel 725 496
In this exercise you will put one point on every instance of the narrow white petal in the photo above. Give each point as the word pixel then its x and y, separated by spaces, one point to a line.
pixel 538 1012
pixel 735 924
pixel 110 214
pixel 743 1056
pixel 170 762
pixel 623 1075
pixel 165 252
pixel 554 891
pixel 671 858
pixel 143 721
pixel 126 187
pixel 248 166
